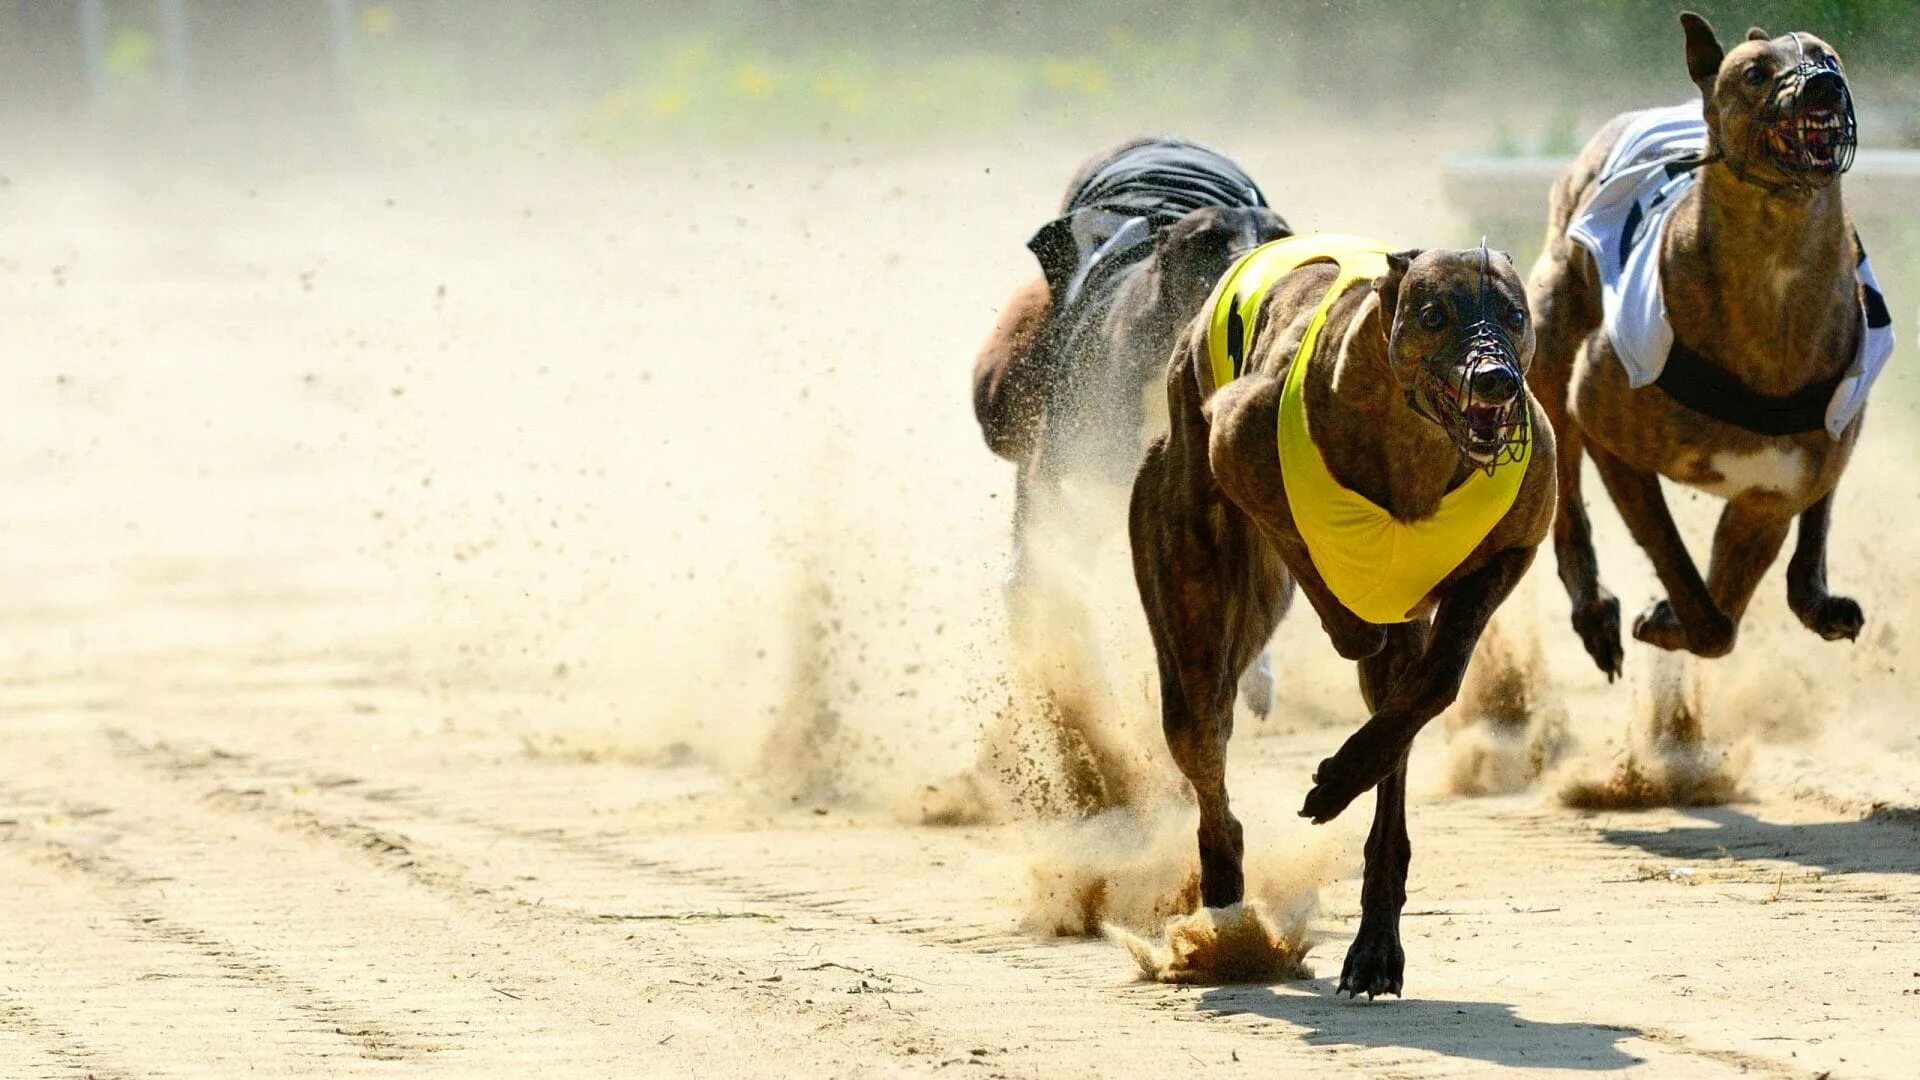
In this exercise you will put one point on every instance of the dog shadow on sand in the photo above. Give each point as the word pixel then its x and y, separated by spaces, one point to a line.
pixel 1481 1030
pixel 1881 842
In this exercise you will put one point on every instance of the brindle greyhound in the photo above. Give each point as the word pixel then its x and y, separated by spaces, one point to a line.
pixel 1413 382
pixel 1757 267
pixel 1061 386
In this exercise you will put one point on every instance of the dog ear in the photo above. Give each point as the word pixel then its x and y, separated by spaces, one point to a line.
pixel 1703 50
pixel 1754 33
pixel 1188 257
pixel 1387 286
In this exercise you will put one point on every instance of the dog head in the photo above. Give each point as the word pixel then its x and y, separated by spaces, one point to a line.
pixel 1459 342
pixel 1779 108
pixel 1190 255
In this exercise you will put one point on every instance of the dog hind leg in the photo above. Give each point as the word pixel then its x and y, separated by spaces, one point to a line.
pixel 1745 543
pixel 1186 593
pixel 1563 322
pixel 1210 610
pixel 1596 611
pixel 1010 373
pixel 1832 617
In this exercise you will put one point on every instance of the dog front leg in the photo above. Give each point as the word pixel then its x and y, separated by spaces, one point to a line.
pixel 1688 619
pixel 1421 692
pixel 1018 556
pixel 1376 962
pixel 1832 617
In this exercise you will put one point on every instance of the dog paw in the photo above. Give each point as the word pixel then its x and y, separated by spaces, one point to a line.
pixel 1660 626
pixel 1598 624
pixel 1375 965
pixel 1835 618
pixel 1342 778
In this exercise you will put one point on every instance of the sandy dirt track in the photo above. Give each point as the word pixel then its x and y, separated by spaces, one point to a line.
pixel 416 581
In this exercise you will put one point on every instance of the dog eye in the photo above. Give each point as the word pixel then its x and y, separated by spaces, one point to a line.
pixel 1432 317
pixel 1755 75
pixel 1516 319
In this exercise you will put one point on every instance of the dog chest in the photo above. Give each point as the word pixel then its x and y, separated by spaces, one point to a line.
pixel 1771 470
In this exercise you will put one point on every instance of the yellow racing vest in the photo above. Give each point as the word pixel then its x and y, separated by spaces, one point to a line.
pixel 1380 567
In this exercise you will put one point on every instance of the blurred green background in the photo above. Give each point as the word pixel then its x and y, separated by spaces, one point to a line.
pixel 622 72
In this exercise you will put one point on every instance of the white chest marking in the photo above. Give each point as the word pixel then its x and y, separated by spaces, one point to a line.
pixel 1784 280
pixel 1781 470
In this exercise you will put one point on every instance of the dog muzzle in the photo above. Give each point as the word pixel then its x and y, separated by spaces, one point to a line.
pixel 1807 130
pixel 1478 397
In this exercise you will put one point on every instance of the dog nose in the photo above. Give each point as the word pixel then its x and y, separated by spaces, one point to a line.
pixel 1496 385
pixel 1823 91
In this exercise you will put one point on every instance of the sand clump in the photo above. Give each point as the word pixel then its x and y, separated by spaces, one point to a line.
pixel 1135 879
pixel 1242 943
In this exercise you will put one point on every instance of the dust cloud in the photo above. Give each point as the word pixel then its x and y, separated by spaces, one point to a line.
pixel 1509 726
pixel 1668 760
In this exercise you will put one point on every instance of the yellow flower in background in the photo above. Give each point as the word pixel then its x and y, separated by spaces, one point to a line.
pixel 1078 76
pixel 753 81
pixel 376 20
pixel 666 105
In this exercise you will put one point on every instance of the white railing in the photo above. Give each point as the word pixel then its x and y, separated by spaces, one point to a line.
pixel 1505 199
pixel 1883 185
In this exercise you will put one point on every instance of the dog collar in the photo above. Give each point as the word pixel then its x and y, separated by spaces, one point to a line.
pixel 1378 567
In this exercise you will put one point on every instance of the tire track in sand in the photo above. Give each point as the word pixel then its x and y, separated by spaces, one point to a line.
pixel 71 894
pixel 1061 987
pixel 41 1048
pixel 490 983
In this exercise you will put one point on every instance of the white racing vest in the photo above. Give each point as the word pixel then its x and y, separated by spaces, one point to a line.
pixel 1644 178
